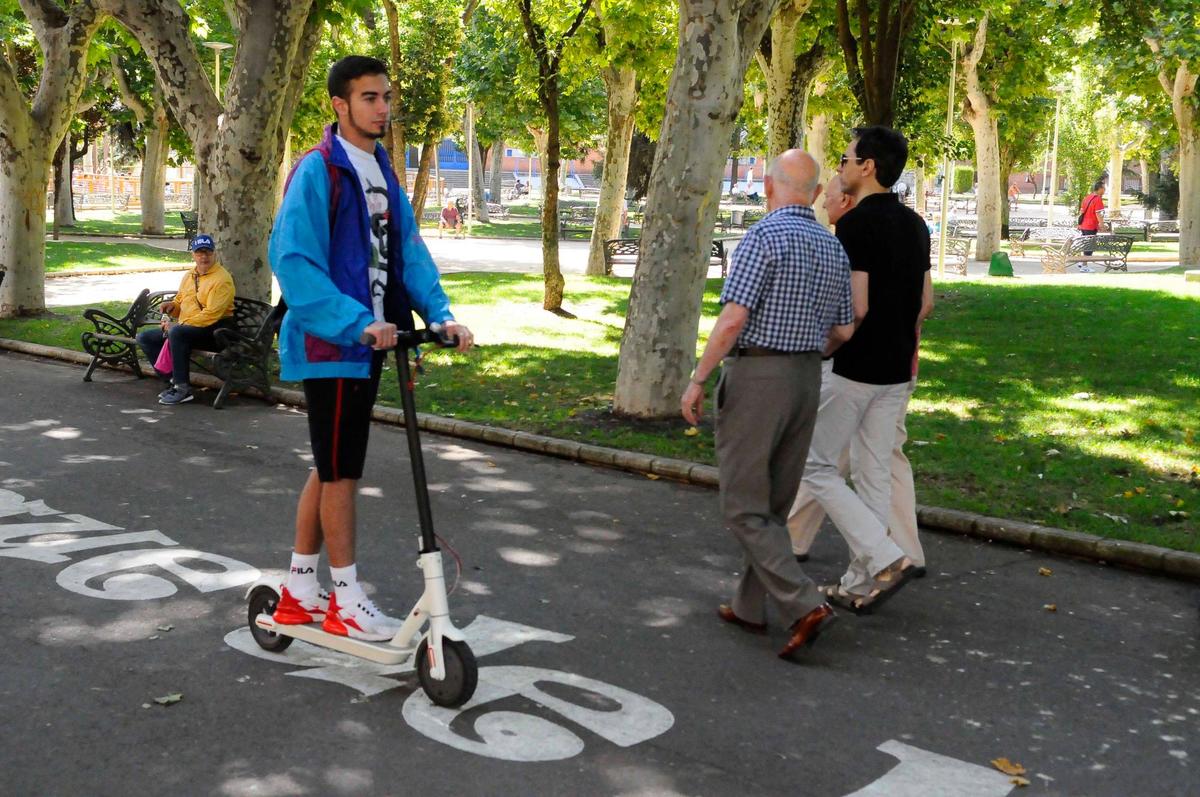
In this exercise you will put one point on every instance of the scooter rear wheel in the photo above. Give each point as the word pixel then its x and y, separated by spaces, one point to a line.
pixel 462 673
pixel 263 600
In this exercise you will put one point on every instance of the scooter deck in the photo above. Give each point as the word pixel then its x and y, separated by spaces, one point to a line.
pixel 380 652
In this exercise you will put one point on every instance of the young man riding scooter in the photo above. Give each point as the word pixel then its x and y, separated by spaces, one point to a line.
pixel 350 262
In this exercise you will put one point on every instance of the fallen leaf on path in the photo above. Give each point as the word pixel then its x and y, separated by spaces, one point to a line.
pixel 1019 781
pixel 167 700
pixel 1051 607
pixel 1008 767
pixel 653 477
pixel 165 627
pixel 691 431
pixel 1045 571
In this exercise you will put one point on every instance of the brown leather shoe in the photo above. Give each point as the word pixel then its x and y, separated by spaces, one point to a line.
pixel 726 613
pixel 806 630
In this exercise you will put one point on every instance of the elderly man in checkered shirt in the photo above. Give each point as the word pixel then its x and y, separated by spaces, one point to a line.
pixel 786 302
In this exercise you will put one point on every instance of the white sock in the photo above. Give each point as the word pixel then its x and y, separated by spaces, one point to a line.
pixel 302 578
pixel 345 584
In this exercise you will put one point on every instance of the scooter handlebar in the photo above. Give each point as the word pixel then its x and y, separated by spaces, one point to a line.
pixel 434 333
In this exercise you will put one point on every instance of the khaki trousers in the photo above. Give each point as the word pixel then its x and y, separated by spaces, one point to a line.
pixel 806 517
pixel 766 410
pixel 868 412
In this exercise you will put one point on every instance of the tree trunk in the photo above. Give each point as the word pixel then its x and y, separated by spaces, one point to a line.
pixel 398 140
pixel 64 203
pixel 816 139
pixel 24 170
pixel 789 76
pixel 919 189
pixel 551 270
pixel 497 176
pixel 1189 196
pixel 1116 165
pixel 977 110
pixel 154 164
pixel 717 38
pixel 30 133
pixel 622 99
pixel 481 210
pixel 420 193
pixel 1144 175
pixel 238 142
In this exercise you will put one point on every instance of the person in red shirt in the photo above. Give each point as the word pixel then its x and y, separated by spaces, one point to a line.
pixel 1089 220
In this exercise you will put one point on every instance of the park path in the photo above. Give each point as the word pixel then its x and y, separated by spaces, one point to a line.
pixel 589 595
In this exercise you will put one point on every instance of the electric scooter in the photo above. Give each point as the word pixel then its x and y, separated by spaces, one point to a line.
pixel 445 664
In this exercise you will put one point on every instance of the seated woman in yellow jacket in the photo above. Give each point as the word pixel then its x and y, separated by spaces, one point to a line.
pixel 203 304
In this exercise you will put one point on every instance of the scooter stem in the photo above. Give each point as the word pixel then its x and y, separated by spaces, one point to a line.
pixel 424 513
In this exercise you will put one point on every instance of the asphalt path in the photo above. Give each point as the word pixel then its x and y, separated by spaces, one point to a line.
pixel 128 532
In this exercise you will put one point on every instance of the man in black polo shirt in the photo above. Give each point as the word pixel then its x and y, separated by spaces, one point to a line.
pixel 888 247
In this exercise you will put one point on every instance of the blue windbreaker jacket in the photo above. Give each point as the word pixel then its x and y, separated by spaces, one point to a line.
pixel 323 272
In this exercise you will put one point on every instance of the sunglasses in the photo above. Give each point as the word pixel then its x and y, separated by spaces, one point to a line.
pixel 845 160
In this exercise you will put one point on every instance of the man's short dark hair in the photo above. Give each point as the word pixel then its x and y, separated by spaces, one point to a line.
pixel 1096 186
pixel 350 68
pixel 887 147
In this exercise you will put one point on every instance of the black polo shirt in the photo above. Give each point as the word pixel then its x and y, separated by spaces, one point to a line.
pixel 891 244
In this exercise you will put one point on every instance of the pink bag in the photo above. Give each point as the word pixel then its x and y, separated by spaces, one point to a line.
pixel 163 363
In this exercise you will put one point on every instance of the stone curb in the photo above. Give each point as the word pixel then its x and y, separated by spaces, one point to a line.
pixel 1141 556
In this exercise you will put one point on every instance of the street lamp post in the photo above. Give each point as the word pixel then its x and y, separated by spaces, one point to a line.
pixel 217 47
pixel 1053 163
pixel 946 158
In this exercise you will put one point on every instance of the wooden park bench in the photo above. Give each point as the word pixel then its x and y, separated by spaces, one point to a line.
pixel 190 224
pixel 576 220
pixel 243 360
pixel 625 250
pixel 1040 236
pixel 1108 250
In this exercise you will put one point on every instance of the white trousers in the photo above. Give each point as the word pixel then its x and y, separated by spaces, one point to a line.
pixel 804 522
pixel 866 414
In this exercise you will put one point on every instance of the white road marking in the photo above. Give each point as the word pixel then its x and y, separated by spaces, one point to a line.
pixel 921 773
pixel 513 736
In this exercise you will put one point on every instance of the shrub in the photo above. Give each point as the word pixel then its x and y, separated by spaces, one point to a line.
pixel 964 179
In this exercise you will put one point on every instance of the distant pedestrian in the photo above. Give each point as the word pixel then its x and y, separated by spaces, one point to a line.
pixel 1089 218
pixel 888 247
pixel 787 297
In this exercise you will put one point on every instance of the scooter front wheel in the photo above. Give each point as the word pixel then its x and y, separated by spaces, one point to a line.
pixel 263 600
pixel 462 673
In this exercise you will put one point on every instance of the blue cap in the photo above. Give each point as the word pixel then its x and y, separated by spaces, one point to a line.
pixel 202 241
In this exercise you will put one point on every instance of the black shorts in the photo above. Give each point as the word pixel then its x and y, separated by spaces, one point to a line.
pixel 339 422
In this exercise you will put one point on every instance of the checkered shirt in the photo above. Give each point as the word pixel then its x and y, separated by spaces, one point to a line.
pixel 795 277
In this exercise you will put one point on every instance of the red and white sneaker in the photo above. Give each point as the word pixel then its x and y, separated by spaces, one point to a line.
pixel 296 611
pixel 361 620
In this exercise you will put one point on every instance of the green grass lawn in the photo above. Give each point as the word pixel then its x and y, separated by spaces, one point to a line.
pixel 107 222
pixel 71 255
pixel 1070 405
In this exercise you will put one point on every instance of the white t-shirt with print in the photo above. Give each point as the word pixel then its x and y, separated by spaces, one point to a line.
pixel 374 187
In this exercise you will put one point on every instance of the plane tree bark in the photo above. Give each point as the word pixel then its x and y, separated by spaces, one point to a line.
pixel 238 146
pixel 30 132
pixel 717 39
